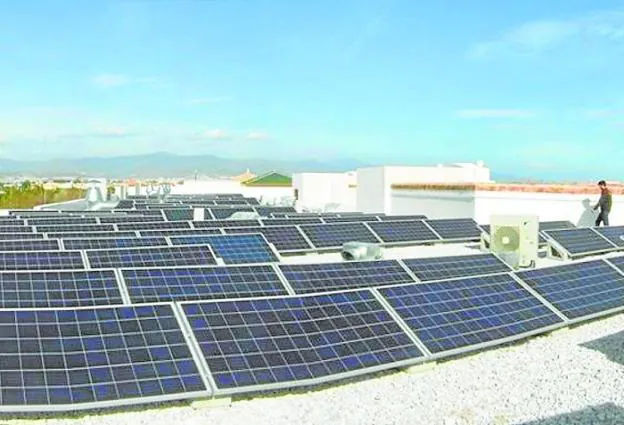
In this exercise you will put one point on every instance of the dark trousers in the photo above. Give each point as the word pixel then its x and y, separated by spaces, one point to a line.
pixel 603 217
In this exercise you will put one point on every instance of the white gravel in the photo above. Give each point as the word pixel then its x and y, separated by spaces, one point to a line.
pixel 570 377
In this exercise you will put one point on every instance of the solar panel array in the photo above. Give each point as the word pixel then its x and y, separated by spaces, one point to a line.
pixel 438 268
pixel 151 257
pixel 578 242
pixel 233 249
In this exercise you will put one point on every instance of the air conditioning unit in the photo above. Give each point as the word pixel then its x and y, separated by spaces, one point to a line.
pixel 514 238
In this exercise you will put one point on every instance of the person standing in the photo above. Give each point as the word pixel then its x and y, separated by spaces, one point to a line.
pixel 604 203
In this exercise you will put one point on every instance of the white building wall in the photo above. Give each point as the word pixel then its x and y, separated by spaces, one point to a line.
pixel 266 194
pixel 325 190
pixel 371 191
pixel 433 204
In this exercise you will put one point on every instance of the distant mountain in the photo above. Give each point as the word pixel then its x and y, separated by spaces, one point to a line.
pixel 167 165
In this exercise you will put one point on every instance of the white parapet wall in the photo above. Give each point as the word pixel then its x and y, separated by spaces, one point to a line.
pixel 325 190
pixel 480 202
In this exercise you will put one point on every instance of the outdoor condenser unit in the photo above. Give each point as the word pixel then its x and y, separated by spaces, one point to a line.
pixel 514 238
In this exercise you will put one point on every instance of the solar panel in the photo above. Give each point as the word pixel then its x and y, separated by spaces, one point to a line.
pixel 132 219
pixel 403 231
pixel 402 217
pixel 179 215
pixel 41 260
pixel 580 289
pixel 438 268
pixel 125 203
pixel 50 228
pixel 556 225
pixel 151 257
pixel 615 234
pixel 61 221
pixel 27 289
pixel 225 223
pixel 582 241
pixel 231 202
pixel 306 278
pixel 283 238
pixel 351 218
pixel 142 212
pixel 30 245
pixel 335 235
pixel 155 225
pixel 467 313
pixel 201 283
pixel 456 228
pixel 223 213
pixel 267 211
pixel 15 229
pixel 179 232
pixel 108 243
pixel 90 235
pixel 290 221
pixel 233 249
pixel 18 236
pixel 289 341
pixel 84 357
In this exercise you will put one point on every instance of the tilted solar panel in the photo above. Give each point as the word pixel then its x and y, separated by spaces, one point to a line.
pixel 201 283
pixel 90 235
pixel 352 218
pixel 467 313
pixel 61 221
pixel 30 245
pixel 132 219
pixel 290 341
pixel 267 211
pixel 233 249
pixel 579 289
pixel 402 217
pixel 151 257
pixel 41 260
pixel 615 234
pixel 309 278
pixel 125 203
pixel 335 235
pixel 62 228
pixel 290 221
pixel 555 225
pixel 403 231
pixel 26 289
pixel 15 229
pixel 438 268
pixel 225 223
pixel 284 238
pixel 582 241
pixel 20 236
pixel 223 213
pixel 456 228
pixel 85 357
pixel 231 202
pixel 108 243
pixel 179 215
pixel 179 232
pixel 155 225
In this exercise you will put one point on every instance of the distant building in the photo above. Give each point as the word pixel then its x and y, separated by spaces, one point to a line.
pixel 270 179
pixel 247 175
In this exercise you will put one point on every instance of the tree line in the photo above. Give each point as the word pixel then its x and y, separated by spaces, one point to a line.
pixel 28 195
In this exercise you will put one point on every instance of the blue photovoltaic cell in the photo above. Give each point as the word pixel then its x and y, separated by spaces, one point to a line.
pixel 457 314
pixel 90 235
pixel 41 260
pixel 20 236
pixel 290 221
pixel 335 235
pixel 290 340
pixel 151 257
pixel 85 356
pixel 179 232
pixel 615 234
pixel 579 289
pixel 132 219
pixel 155 225
pixel 30 245
pixel 267 211
pixel 438 268
pixel 76 228
pixel 402 217
pixel 283 238
pixel 307 278
pixel 201 283
pixel 179 215
pixel 352 218
pixel 403 231
pixel 233 249
pixel 223 213
pixel 107 243
pixel 27 289
pixel 456 228
pixel 580 241
pixel 61 221
pixel 225 223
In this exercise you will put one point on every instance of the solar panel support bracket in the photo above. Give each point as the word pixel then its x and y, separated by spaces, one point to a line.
pixel 208 403
pixel 420 368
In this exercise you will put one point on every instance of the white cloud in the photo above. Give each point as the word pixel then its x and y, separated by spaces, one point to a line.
pixel 208 100
pixel 215 134
pixel 495 113
pixel 257 135
pixel 110 80
pixel 544 35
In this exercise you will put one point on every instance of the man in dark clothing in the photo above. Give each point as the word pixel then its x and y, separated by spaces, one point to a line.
pixel 604 203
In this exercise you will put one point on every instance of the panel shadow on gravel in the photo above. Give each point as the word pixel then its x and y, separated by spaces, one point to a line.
pixel 602 414
pixel 612 346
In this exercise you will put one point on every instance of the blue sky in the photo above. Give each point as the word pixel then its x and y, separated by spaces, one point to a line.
pixel 529 86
